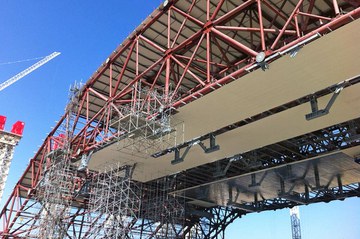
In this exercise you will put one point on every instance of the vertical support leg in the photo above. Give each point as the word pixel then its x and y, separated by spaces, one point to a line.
pixel 262 34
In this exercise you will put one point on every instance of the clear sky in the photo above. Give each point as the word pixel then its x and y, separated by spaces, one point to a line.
pixel 86 32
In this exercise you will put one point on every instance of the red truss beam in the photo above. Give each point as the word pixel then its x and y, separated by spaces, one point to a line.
pixel 206 51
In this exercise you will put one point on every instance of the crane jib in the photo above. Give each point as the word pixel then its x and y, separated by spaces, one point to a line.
pixel 28 70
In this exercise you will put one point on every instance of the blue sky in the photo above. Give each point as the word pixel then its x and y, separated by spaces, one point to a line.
pixel 86 32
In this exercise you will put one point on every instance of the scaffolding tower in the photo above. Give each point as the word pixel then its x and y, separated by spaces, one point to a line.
pixel 114 203
pixel 8 142
pixel 55 191
pixel 55 194
pixel 123 208
pixel 163 212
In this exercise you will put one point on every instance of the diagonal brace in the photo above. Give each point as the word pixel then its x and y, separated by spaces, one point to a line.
pixel 213 146
pixel 315 108
pixel 178 158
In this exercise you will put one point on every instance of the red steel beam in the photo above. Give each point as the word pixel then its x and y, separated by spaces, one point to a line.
pixel 314 16
pixel 217 9
pixel 228 16
pixel 234 43
pixel 183 23
pixel 188 65
pixel 286 24
pixel 261 24
pixel 188 16
pixel 254 29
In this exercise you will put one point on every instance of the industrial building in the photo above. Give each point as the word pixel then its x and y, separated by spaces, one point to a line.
pixel 209 110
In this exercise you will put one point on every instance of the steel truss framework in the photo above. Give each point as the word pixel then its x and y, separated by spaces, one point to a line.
pixel 201 222
pixel 179 62
pixel 200 46
pixel 314 144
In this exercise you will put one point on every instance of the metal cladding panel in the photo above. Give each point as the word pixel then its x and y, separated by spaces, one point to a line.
pixel 275 128
pixel 266 184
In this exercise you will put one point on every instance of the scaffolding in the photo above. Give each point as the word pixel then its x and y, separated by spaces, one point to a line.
pixel 55 195
pixel 122 208
pixel 163 213
pixel 56 189
pixel 146 125
pixel 114 203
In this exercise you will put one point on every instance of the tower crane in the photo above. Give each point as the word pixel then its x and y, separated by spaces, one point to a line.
pixel 28 70
pixel 9 140
pixel 295 222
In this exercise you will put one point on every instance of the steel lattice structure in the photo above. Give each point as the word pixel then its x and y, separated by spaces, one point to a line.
pixel 183 51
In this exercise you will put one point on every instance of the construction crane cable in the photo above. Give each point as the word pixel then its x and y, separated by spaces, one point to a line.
pixel 28 70
pixel 20 61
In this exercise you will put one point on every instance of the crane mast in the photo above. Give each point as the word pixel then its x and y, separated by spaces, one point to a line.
pixel 295 222
pixel 28 70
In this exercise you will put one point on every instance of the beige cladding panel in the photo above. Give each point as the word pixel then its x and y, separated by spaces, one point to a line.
pixel 275 128
pixel 278 127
